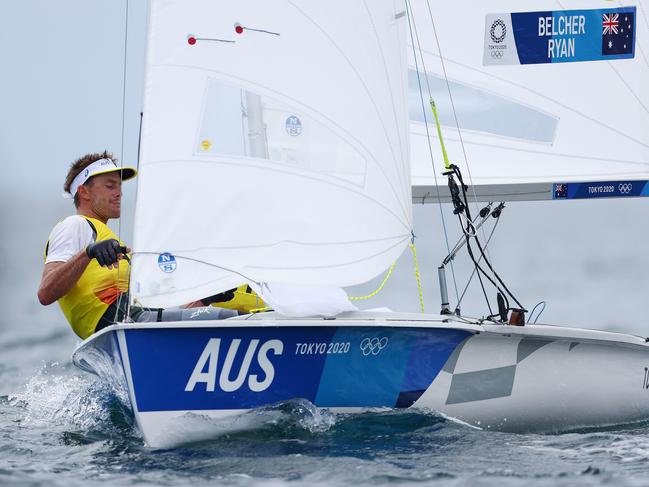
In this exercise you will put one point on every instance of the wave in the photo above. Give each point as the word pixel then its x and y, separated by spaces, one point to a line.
pixel 80 407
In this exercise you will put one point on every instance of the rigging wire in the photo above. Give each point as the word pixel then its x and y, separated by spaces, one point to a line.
pixel 124 81
pixel 209 264
pixel 540 303
pixel 428 138
pixel 484 215
pixel 475 269
pixel 455 117
pixel 450 96
pixel 461 207
pixel 413 27
pixel 137 167
pixel 456 170
pixel 121 161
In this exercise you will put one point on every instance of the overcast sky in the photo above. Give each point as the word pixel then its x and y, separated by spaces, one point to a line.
pixel 62 85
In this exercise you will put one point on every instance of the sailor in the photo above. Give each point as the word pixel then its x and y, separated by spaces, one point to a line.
pixel 85 270
pixel 86 265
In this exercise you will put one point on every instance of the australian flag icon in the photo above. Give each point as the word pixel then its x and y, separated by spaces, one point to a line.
pixel 618 29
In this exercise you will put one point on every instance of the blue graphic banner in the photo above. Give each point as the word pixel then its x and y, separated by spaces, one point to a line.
pixel 606 189
pixel 560 36
pixel 240 368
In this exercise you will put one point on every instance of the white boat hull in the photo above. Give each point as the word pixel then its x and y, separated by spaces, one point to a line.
pixel 194 380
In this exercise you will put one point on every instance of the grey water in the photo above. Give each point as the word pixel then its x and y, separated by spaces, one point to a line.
pixel 587 260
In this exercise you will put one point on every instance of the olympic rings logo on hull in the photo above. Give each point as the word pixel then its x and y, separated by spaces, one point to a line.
pixel 625 188
pixel 373 346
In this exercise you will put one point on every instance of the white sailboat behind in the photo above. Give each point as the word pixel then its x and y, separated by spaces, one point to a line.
pixel 520 116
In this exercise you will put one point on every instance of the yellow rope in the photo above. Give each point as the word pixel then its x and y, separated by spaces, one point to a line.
pixel 378 289
pixel 259 310
pixel 417 275
pixel 352 298
pixel 433 107
pixel 387 276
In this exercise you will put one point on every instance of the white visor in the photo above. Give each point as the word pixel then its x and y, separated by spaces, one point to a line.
pixel 102 166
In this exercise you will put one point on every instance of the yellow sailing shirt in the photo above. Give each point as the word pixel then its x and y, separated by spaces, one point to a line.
pixel 244 300
pixel 98 287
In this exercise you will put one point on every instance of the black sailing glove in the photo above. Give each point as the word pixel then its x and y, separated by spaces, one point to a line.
pixel 105 251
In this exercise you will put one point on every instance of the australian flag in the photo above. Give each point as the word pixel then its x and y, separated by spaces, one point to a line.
pixel 618 33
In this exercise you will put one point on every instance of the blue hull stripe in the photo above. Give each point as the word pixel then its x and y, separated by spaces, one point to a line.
pixel 206 368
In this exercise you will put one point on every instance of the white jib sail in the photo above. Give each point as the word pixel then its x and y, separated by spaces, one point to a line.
pixel 274 146
pixel 544 93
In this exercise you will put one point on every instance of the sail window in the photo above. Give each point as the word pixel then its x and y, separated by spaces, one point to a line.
pixel 481 111
pixel 239 122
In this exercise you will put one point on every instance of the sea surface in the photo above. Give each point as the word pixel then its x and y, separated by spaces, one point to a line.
pixel 588 261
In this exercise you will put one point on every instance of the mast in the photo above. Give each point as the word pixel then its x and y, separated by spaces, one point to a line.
pixel 256 127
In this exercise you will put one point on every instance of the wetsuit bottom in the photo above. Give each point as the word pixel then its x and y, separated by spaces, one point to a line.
pixel 117 312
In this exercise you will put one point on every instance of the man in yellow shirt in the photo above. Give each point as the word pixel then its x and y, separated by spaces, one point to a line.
pixel 85 269
pixel 86 265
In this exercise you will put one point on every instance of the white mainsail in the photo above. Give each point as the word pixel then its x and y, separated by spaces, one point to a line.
pixel 577 113
pixel 274 146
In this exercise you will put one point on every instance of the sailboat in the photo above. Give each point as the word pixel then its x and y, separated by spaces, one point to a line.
pixel 275 152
